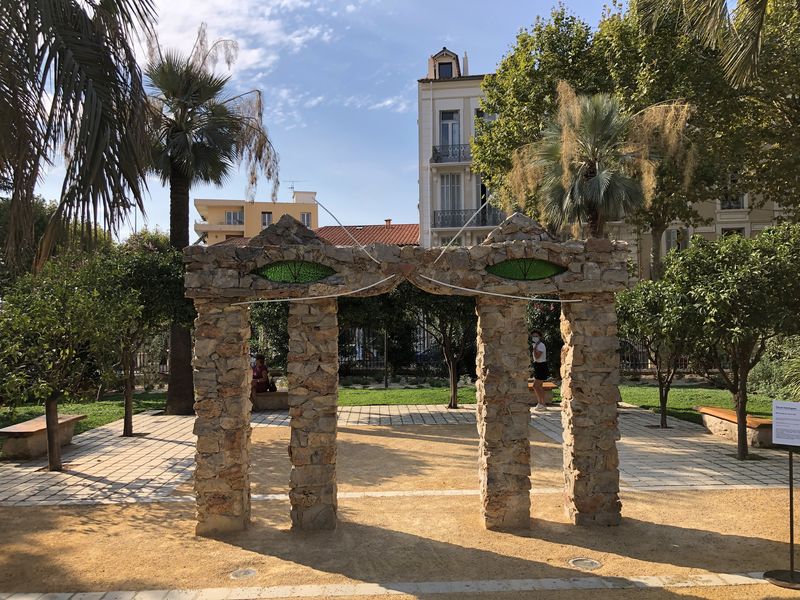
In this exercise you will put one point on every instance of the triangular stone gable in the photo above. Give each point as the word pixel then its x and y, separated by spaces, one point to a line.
pixel 517 227
pixel 288 231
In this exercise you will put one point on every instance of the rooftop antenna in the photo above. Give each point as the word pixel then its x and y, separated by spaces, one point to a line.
pixel 293 181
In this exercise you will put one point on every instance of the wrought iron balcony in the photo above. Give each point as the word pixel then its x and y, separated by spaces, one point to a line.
pixel 488 217
pixel 456 153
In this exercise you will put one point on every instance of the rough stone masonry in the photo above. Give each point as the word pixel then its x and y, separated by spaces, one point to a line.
pixel 218 277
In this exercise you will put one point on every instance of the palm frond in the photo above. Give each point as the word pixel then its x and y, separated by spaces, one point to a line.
pixel 70 81
pixel 742 46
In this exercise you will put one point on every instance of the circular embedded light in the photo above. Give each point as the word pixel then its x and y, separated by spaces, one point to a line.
pixel 243 574
pixel 585 564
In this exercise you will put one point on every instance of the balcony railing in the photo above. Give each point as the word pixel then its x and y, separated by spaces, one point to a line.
pixel 456 153
pixel 488 217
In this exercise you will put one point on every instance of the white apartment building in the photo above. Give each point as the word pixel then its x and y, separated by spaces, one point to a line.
pixel 449 190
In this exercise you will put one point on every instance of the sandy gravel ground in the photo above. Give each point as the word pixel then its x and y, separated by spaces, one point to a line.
pixel 136 547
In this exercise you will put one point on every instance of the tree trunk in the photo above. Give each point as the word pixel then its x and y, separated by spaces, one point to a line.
pixel 663 393
pixel 453 373
pixel 656 266
pixel 127 426
pixel 53 437
pixel 180 391
pixel 595 226
pixel 741 416
pixel 385 359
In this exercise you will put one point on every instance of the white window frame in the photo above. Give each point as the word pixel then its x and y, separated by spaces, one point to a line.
pixel 266 218
pixel 234 217
pixel 454 125
pixel 305 219
pixel 451 195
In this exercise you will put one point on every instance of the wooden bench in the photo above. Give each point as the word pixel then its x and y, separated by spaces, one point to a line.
pixel 29 438
pixel 271 401
pixel 723 422
pixel 547 386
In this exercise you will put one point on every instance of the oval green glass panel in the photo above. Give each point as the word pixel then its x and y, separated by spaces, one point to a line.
pixel 525 269
pixel 294 271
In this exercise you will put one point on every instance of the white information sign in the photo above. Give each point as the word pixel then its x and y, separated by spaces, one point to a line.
pixel 786 423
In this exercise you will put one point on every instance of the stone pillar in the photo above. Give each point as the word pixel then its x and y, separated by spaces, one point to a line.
pixel 503 413
pixel 222 403
pixel 313 374
pixel 589 392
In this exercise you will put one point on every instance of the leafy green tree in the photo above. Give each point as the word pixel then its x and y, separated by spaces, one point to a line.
pixel 141 284
pixel 50 323
pixel 41 213
pixel 650 66
pixel 199 134
pixel 70 90
pixel 522 92
pixel 654 314
pixel 740 293
pixel 738 33
pixel 450 320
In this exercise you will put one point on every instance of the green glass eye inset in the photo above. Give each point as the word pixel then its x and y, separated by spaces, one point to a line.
pixel 525 269
pixel 294 271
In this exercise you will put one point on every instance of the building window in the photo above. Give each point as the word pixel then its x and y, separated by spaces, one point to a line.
pixel 230 237
pixel 305 219
pixel 444 241
pixel 732 202
pixel 479 114
pixel 450 191
pixel 677 239
pixel 732 231
pixel 266 219
pixel 449 128
pixel 445 70
pixel 234 217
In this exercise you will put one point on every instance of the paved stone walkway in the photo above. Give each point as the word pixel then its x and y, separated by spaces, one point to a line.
pixel 103 468
pixel 414 588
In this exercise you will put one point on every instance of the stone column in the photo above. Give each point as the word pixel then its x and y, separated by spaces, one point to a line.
pixel 222 403
pixel 589 392
pixel 313 374
pixel 503 413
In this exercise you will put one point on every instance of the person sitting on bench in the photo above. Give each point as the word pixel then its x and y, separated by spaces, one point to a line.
pixel 261 381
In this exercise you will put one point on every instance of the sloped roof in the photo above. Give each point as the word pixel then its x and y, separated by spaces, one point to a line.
pixel 396 234
pixel 399 234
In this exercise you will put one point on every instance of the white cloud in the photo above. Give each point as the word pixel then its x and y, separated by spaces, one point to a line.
pixel 394 103
pixel 315 101
pixel 350 8
pixel 263 29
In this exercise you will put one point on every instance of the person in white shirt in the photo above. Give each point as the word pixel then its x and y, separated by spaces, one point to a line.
pixel 541 372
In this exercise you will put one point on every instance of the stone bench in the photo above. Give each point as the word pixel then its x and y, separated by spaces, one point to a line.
pixel 723 422
pixel 29 438
pixel 271 401
pixel 547 386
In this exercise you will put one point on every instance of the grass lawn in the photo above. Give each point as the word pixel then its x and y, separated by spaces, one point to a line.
pixel 349 397
pixel 100 413
pixel 681 401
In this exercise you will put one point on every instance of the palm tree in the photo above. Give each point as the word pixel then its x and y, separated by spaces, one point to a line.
pixel 198 136
pixel 594 162
pixel 737 33
pixel 70 88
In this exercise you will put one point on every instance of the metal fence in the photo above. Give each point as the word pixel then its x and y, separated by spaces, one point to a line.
pixel 633 358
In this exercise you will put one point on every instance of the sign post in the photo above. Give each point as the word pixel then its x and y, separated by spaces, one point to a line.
pixel 786 433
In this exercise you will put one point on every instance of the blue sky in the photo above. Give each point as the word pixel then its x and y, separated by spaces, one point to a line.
pixel 339 83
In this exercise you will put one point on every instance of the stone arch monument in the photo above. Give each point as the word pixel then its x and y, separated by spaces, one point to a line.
pixel 517 261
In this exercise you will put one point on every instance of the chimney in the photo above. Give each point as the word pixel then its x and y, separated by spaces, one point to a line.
pixel 465 66
pixel 388 223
